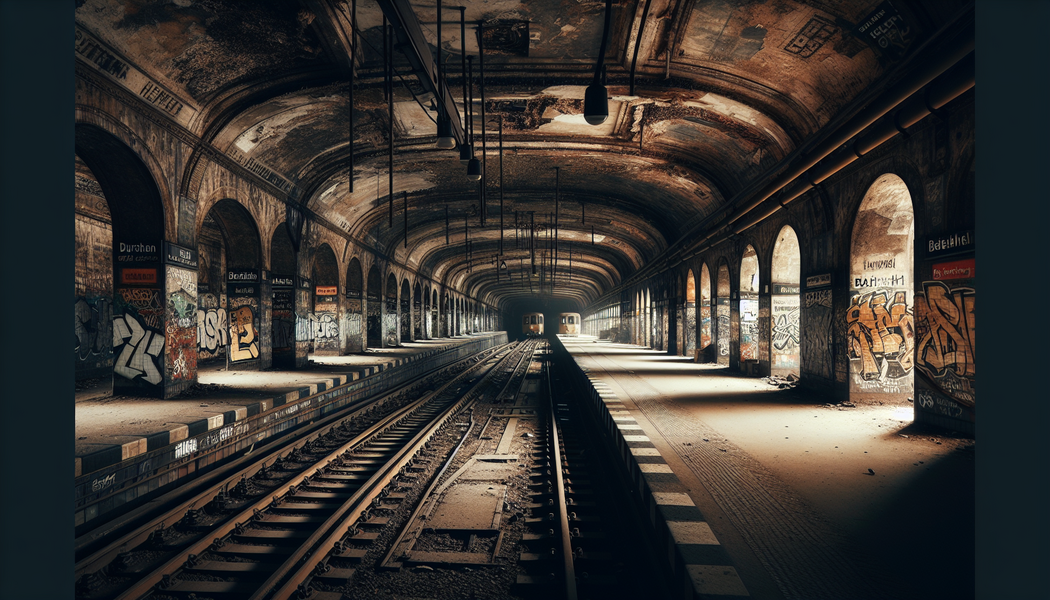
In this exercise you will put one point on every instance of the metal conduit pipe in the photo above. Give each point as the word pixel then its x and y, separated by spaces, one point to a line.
pixel 949 86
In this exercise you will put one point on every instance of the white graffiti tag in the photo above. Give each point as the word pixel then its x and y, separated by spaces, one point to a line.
pixel 140 348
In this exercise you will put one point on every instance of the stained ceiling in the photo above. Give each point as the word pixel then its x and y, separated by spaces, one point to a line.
pixel 716 96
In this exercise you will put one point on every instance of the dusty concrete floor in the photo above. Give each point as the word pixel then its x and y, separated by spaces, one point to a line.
pixel 813 500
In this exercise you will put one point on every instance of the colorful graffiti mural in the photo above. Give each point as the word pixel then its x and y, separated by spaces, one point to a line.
pixel 244 334
pixel 213 333
pixel 181 318
pixel 880 340
pixel 785 311
pixel 945 326
pixel 705 324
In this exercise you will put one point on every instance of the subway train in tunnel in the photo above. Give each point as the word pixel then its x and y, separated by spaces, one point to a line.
pixel 569 324
pixel 532 324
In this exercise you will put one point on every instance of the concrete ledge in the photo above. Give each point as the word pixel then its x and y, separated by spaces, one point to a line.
pixel 694 554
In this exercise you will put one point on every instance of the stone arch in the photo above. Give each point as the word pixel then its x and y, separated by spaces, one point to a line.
pixel 229 239
pixel 880 324
pixel 324 318
pixel 785 304
pixel 122 289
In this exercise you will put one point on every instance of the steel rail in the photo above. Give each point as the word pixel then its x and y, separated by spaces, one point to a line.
pixel 568 569
pixel 336 527
pixel 280 449
pixel 172 565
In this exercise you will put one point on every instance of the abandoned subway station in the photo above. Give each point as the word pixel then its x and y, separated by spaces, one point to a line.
pixel 758 215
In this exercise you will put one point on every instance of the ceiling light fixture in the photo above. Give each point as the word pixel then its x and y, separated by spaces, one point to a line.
pixel 596 98
pixel 466 150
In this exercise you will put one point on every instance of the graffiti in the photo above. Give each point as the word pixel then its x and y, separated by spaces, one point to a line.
pixel 785 323
pixel 147 303
pixel 880 335
pixel 748 329
pixel 138 348
pixel 242 324
pixel 324 326
pixel 722 331
pixel 97 485
pixel 304 331
pixel 185 448
pixel 92 327
pixel 931 402
pixel 212 330
pixel 820 298
pixel 705 324
pixel 946 330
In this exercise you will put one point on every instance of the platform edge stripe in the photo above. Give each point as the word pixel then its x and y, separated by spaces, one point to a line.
pixel 178 433
pixel 133 448
pixel 253 409
pixel 157 440
pixel 215 422
pixel 654 467
pixel 100 459
pixel 240 414
pixel 197 427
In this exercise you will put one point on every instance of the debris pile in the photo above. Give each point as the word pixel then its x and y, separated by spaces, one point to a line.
pixel 784 383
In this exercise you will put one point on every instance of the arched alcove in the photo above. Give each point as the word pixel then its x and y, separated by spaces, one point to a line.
pixel 418 307
pixel 238 239
pixel 406 310
pixel 785 305
pixel 689 328
pixel 324 320
pixel 880 326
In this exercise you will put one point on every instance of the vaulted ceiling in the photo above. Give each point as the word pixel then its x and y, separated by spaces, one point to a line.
pixel 716 96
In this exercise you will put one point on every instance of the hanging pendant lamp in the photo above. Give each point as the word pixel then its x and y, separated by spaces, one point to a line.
pixel 445 139
pixel 596 97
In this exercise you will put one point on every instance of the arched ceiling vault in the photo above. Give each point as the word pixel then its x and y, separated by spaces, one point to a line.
pixel 722 95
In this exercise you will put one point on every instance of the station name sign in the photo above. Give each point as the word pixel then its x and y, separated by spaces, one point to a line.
pixel 242 283
pixel 954 243
pixel 281 281
pixel 138 276
pixel 137 253
pixel 179 255
pixel 781 289
pixel 327 290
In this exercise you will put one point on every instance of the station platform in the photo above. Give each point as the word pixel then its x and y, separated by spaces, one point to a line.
pixel 762 489
pixel 123 442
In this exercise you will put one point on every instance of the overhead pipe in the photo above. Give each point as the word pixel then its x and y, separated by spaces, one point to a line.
pixel 949 86
pixel 887 102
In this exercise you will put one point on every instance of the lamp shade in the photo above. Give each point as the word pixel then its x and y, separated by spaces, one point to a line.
pixel 596 104
pixel 466 152
pixel 474 170
pixel 445 141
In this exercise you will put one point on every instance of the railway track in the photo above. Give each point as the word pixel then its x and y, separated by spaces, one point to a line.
pixel 304 502
pixel 582 543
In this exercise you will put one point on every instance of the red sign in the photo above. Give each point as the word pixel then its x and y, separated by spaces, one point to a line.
pixel 327 290
pixel 959 269
pixel 138 276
